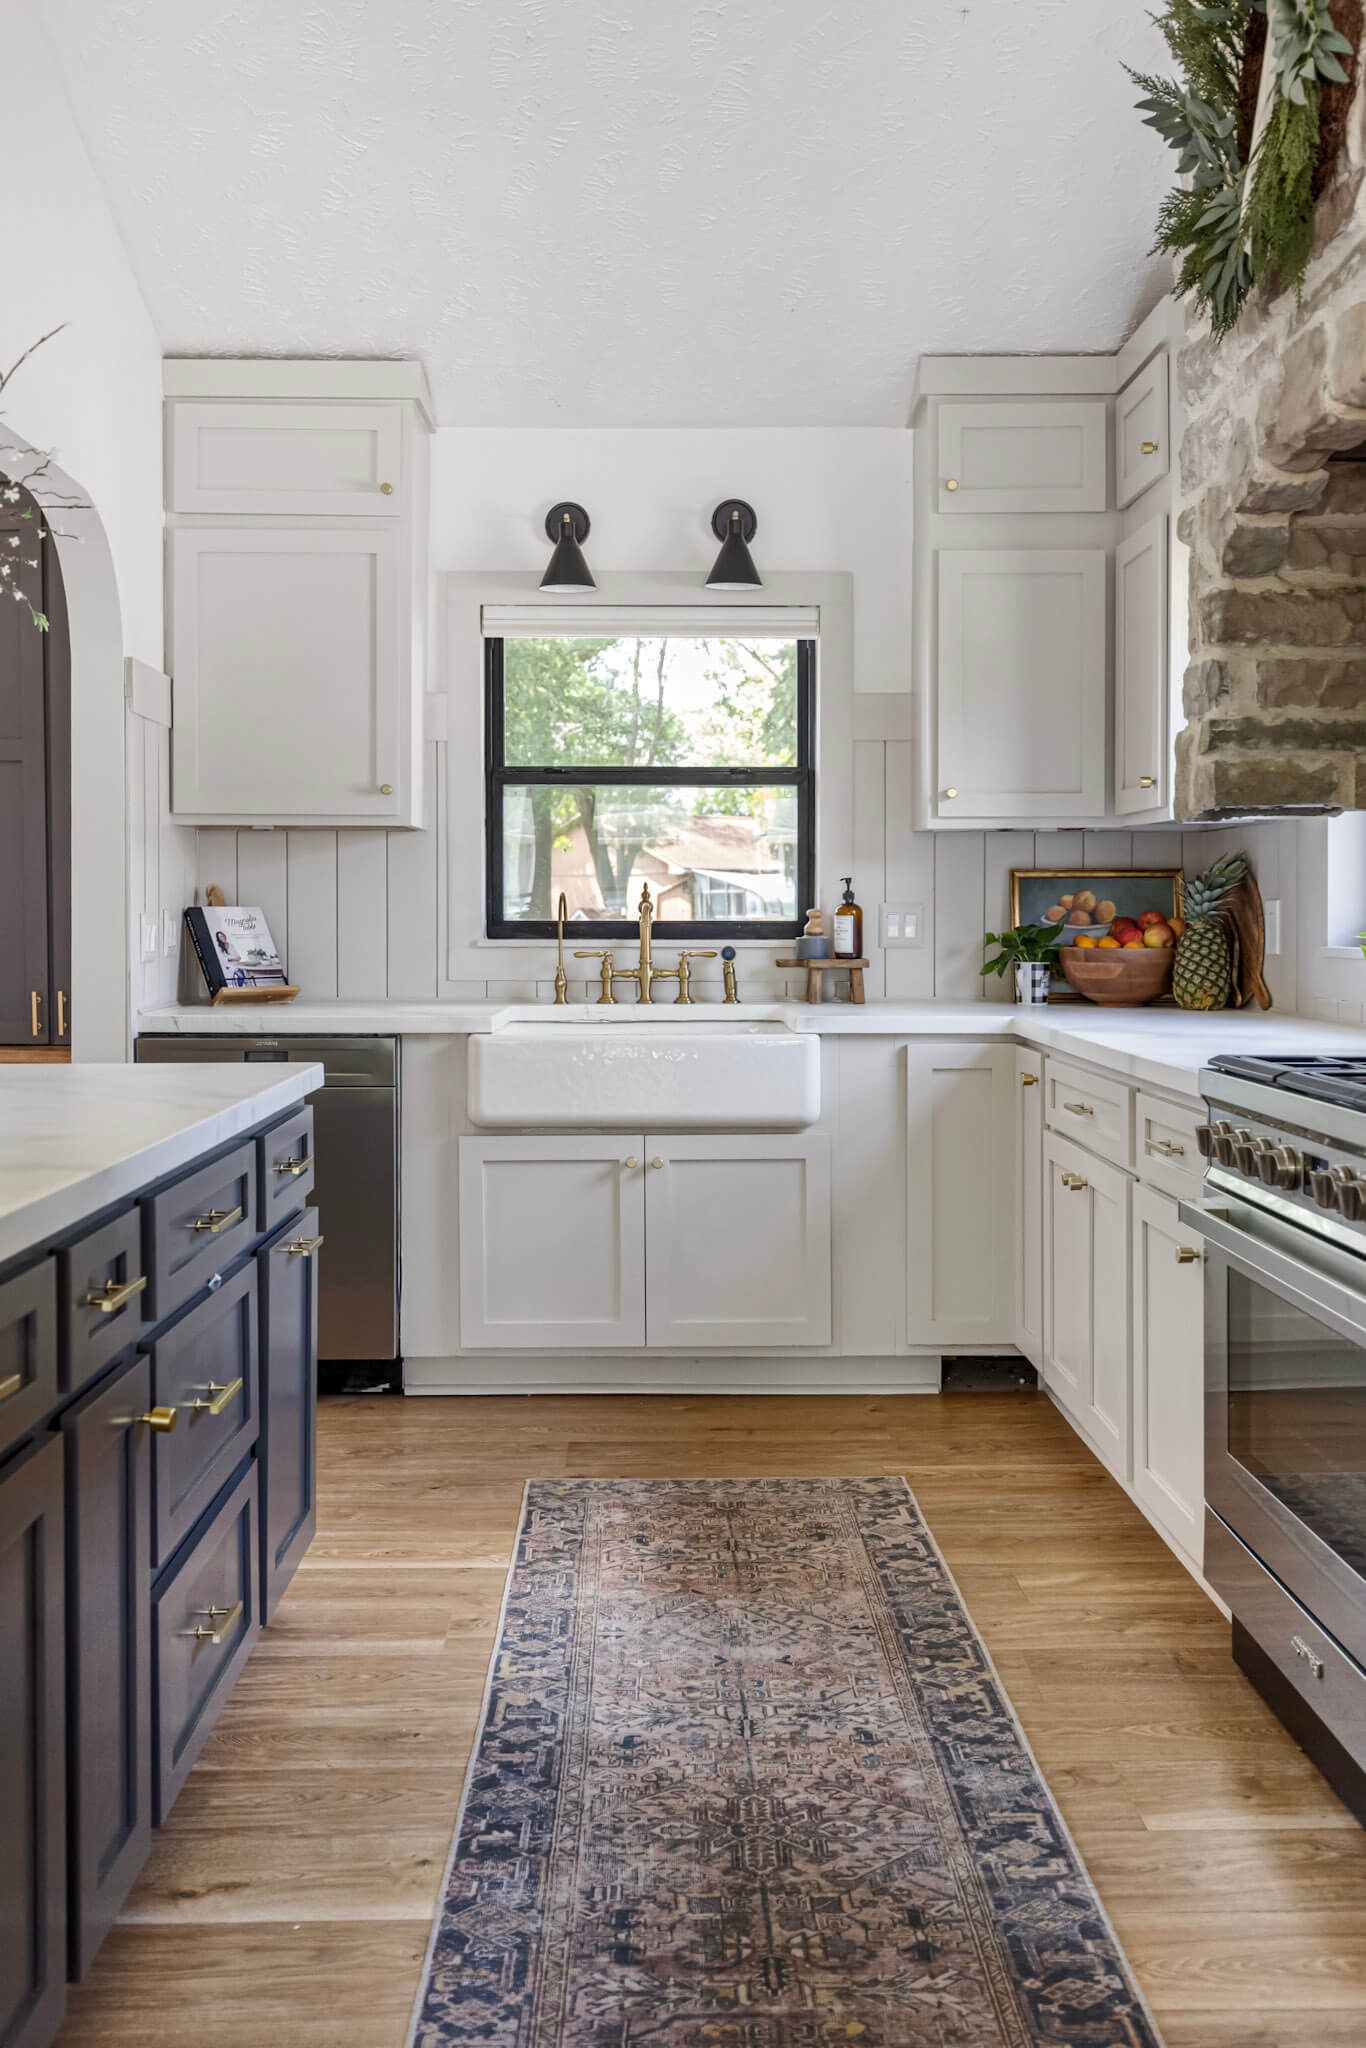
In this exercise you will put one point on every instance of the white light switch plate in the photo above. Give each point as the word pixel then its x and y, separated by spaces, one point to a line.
pixel 170 932
pixel 1271 913
pixel 901 924
pixel 149 938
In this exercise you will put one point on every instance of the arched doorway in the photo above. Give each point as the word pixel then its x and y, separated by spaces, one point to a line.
pixel 35 792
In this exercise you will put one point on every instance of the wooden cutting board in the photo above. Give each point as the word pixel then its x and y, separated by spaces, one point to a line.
pixel 1247 924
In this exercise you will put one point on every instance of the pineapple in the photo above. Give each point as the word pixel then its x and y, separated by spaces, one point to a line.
pixel 1202 977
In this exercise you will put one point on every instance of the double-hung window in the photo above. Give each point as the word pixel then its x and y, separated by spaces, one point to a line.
pixel 631 749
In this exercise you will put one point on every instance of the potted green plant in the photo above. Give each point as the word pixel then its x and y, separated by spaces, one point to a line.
pixel 1028 948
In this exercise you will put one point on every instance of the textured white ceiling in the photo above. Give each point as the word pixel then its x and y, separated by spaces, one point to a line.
pixel 653 212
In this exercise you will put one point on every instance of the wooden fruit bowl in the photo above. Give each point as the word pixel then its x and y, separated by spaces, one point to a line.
pixel 1117 976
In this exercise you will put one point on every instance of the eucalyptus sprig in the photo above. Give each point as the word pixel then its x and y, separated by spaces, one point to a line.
pixel 1304 47
pixel 1022 943
pixel 26 474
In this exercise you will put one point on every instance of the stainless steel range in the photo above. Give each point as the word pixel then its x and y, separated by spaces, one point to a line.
pixel 1284 1222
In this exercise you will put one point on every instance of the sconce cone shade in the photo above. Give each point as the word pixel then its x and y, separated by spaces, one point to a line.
pixel 568 526
pixel 734 524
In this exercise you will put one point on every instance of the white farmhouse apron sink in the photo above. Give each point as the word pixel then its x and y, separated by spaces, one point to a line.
pixel 645 1068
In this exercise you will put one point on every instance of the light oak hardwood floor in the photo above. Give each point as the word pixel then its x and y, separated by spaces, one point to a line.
pixel 287 1902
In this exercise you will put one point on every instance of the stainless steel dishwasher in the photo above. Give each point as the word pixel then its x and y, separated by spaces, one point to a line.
pixel 355 1149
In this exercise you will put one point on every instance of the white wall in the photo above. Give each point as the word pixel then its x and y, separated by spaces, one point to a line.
pixel 92 395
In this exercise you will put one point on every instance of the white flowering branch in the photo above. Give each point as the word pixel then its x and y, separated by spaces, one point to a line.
pixel 26 475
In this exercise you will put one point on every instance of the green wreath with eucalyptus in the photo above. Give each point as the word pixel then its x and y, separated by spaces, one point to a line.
pixel 1246 120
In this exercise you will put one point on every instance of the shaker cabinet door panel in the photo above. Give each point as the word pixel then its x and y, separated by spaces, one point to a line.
pixel 1142 431
pixel 958 1194
pixel 288 658
pixel 109 1636
pixel 737 1241
pixel 289 1402
pixel 1169 1370
pixel 32 1749
pixel 1021 691
pixel 1086 1296
pixel 552 1243
pixel 1032 456
pixel 28 1351
pixel 279 458
pixel 1141 752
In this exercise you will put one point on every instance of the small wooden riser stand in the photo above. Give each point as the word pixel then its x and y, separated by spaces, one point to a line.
pixel 816 968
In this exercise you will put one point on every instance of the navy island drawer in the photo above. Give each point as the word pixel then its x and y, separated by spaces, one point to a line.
pixel 205 1619
pixel 286 1161
pixel 204 1369
pixel 28 1350
pixel 197 1227
pixel 104 1292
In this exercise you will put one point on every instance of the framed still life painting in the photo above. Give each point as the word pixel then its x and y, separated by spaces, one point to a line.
pixel 1090 900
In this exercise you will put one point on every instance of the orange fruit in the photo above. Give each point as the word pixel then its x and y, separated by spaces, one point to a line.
pixel 1084 939
pixel 1177 925
pixel 1132 945
pixel 1107 941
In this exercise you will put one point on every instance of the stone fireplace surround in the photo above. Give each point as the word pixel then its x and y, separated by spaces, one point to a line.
pixel 1273 482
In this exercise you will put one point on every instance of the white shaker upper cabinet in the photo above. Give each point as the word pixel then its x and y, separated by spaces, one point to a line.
pixel 1142 431
pixel 280 458
pixel 1032 456
pixel 290 657
pixel 1142 765
pixel 1022 684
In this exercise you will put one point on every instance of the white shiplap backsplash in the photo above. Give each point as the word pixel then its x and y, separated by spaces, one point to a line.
pixel 360 912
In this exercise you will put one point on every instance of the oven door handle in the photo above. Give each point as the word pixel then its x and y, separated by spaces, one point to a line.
pixel 1313 1276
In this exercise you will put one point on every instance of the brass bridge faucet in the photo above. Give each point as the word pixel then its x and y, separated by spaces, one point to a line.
pixel 647 974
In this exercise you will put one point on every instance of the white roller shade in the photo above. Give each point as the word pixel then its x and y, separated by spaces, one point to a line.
pixel 694 622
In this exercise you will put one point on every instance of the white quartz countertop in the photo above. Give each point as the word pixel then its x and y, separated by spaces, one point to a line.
pixel 1162 1048
pixel 73 1139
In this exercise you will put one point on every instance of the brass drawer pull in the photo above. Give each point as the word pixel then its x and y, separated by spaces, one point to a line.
pixel 219 1397
pixel 1187 1255
pixel 221 1620
pixel 1311 1657
pixel 304 1247
pixel 33 1001
pixel 1167 1149
pixel 1079 1108
pixel 113 1294
pixel 295 1166
pixel 216 1220
pixel 11 1385
pixel 162 1420
pixel 1073 1182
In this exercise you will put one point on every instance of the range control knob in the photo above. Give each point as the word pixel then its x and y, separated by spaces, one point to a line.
pixel 1280 1167
pixel 1352 1199
pixel 1207 1134
pixel 1226 1139
pixel 1247 1152
pixel 1327 1183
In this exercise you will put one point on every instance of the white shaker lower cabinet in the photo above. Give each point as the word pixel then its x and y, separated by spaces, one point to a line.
pixel 1086 1296
pixel 552 1243
pixel 703 1243
pixel 1021 693
pixel 960 1240
pixel 737 1241
pixel 1169 1372
pixel 1029 1107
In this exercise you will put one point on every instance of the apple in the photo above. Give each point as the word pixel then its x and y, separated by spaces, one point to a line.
pixel 1159 934
pixel 1150 917
pixel 1178 925
pixel 1124 928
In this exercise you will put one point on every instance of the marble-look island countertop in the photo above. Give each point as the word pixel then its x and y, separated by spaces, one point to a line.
pixel 74 1139
pixel 1158 1047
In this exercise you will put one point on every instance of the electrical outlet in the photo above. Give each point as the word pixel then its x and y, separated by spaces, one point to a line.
pixel 1271 913
pixel 901 924
pixel 170 932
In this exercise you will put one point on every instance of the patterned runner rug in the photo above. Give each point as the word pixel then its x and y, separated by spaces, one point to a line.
pixel 746 1778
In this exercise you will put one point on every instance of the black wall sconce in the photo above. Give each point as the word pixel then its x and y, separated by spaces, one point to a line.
pixel 734 524
pixel 568 526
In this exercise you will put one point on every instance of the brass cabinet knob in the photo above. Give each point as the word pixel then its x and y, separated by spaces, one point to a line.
pixel 1187 1255
pixel 656 1161
pixel 949 792
pixel 387 490
pixel 1148 447
pixel 1029 1080
pixel 951 483
pixel 386 789
pixel 630 1160
pixel 162 1420
pixel 1147 782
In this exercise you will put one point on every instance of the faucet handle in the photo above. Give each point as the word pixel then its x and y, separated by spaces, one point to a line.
pixel 728 974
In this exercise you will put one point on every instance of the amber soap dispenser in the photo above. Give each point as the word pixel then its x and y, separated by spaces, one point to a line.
pixel 848 923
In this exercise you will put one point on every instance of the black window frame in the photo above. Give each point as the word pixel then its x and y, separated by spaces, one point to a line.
pixel 498 775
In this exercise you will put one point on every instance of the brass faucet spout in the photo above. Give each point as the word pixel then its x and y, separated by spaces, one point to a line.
pixel 561 978
pixel 646 924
